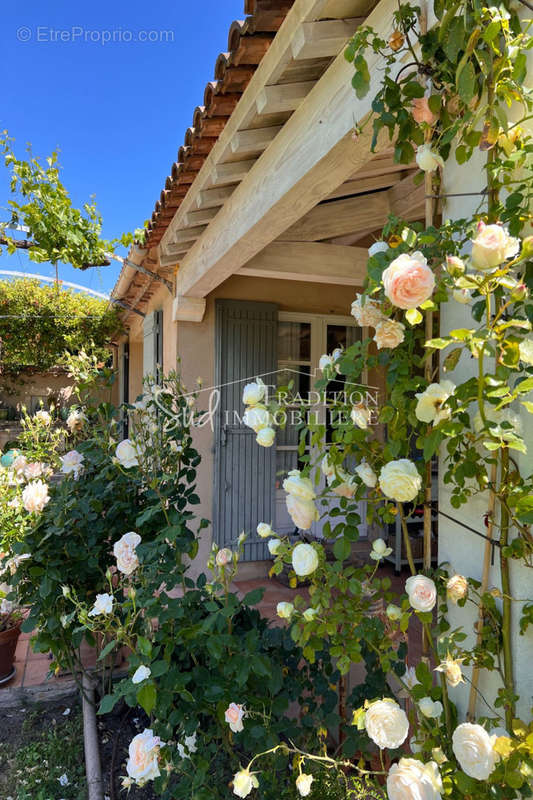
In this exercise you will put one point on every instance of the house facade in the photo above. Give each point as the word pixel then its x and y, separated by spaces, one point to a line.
pixel 258 245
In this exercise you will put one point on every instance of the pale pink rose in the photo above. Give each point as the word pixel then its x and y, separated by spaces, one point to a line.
pixel 422 592
pixel 389 334
pixel 421 111
pixel 223 557
pixel 20 464
pixel 457 588
pixel 367 313
pixel 124 552
pixel 143 761
pixel 233 716
pixel 408 281
pixel 303 512
pixel 35 497
pixel 492 246
pixel 34 470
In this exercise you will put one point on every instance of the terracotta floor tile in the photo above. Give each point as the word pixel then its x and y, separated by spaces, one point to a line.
pixel 36 672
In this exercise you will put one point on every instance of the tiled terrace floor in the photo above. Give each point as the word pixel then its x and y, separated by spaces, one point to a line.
pixel 32 668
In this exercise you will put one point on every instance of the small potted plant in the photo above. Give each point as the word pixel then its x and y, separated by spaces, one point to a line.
pixel 10 622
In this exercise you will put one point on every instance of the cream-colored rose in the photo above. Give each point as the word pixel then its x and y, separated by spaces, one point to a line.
pixel 233 716
pixel 410 779
pixel 431 401
pixel 474 749
pixel 285 610
pixel 393 612
pixel 451 667
pixel 253 393
pixel 223 557
pixel 347 486
pixel 399 480
pixel 299 486
pixel 427 159
pixel 264 530
pixel 141 674
pixel 126 454
pixel 20 464
pixel 302 512
pixel 367 312
pixel 257 417
pixel 327 467
pixel 304 559
pixel 386 724
pixel 243 783
pixel 526 354
pixel 421 111
pixel 76 420
pixel 72 462
pixel 273 546
pixel 309 614
pixel 124 552
pixel 457 588
pixel 43 417
pixel 366 474
pixel 35 497
pixel 422 592
pixel 378 247
pixel 265 437
pixel 143 761
pixel 361 416
pixel 303 784
pixel 389 334
pixel 492 246
pixel 408 281
pixel 432 709
pixel 102 605
pixel 379 550
pixel 36 469
pixel 463 296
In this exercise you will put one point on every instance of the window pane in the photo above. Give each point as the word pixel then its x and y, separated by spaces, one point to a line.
pixel 342 336
pixel 294 341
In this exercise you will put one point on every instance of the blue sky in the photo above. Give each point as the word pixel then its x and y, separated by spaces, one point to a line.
pixel 118 111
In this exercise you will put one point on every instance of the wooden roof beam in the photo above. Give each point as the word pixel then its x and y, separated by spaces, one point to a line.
pixel 324 38
pixel 211 198
pixel 201 217
pixel 254 141
pixel 232 172
pixel 313 262
pixel 282 98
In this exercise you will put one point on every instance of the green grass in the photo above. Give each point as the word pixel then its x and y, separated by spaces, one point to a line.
pixel 47 749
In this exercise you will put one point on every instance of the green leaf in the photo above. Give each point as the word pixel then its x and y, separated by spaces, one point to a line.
pixel 342 549
pixel 107 649
pixel 108 703
pixel 254 597
pixel 413 316
pixel 466 82
pixel 144 646
pixel 146 697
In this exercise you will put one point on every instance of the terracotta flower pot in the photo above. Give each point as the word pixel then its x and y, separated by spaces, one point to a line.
pixel 8 645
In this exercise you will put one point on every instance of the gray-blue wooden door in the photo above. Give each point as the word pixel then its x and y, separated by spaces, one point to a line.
pixel 246 347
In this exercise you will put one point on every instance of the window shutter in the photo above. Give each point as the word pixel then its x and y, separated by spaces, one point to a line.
pixel 153 343
pixel 246 347
pixel 159 346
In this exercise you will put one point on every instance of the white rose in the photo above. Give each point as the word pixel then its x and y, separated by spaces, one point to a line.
pixel 102 605
pixel 327 467
pixel 127 454
pixel 379 550
pixel 233 716
pixel 43 417
pixel 409 677
pixel 422 592
pixel 303 784
pixel 273 546
pixel 223 557
pixel 430 401
pixel 367 313
pixel 324 362
pixel 302 512
pixel 463 296
pixel 309 614
pixel 377 247
pixel 366 474
pixel 35 497
pixel 143 761
pixel 344 489
pixel 427 159
pixel 432 709
pixel 76 420
pixel 124 552
pixel 141 674
pixel 34 470
pixel 298 486
pixel 451 667
pixel 526 354
pixel 20 464
pixel 265 437
pixel 410 779
pixel 304 559
pixel 285 610
pixel 253 393
pixel 389 334
pixel 474 749
pixel 256 418
pixel 386 724
pixel 264 530
pixel 456 588
pixel 399 480
pixel 243 783
pixel 393 612
pixel 361 416
pixel 72 462
pixel 188 746
pixel 492 246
